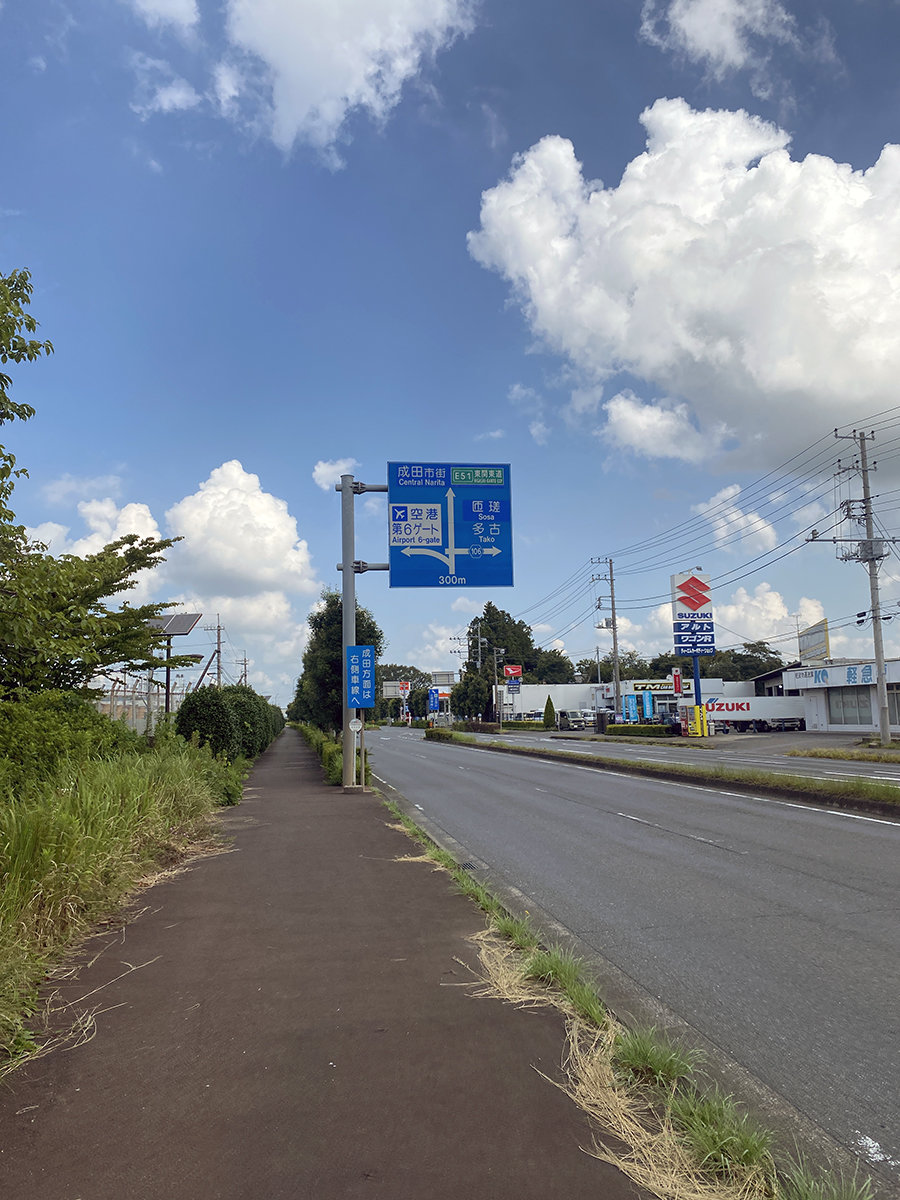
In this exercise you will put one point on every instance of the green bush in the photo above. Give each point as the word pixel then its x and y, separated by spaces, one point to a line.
pixel 549 714
pixel 439 734
pixel 207 714
pixel 276 721
pixel 251 716
pixel 331 753
pixel 35 733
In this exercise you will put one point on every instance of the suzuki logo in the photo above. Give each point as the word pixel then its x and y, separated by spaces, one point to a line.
pixel 693 594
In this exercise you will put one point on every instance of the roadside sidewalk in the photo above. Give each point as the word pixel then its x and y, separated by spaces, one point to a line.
pixel 296 1025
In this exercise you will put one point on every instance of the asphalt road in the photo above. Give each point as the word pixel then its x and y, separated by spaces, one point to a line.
pixel 771 929
pixel 759 752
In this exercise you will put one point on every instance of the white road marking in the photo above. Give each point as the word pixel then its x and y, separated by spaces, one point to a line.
pixel 831 812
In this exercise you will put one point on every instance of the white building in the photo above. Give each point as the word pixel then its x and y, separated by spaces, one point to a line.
pixel 593 696
pixel 843 697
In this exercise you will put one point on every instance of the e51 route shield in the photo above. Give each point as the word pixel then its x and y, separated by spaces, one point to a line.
pixel 449 525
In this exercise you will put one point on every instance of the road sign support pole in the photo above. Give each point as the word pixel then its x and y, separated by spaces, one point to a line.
pixel 348 621
pixel 350 568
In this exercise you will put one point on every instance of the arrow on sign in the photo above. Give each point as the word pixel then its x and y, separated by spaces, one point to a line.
pixel 451 551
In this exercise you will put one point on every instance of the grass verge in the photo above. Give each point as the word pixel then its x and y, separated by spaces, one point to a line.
pixel 72 845
pixel 865 794
pixel 681 1141
pixel 876 755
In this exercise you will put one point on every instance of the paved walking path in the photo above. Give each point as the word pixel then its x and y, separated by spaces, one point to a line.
pixel 294 1028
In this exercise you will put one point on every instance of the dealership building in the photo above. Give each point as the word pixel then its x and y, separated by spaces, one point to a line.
pixel 842 697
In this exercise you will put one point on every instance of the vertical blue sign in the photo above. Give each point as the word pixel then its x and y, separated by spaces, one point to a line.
pixel 360 676
pixel 630 707
pixel 434 699
pixel 449 525
pixel 648 705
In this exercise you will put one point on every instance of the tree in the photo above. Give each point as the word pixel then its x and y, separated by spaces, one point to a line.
pixel 318 699
pixel 551 666
pixel 15 296
pixel 500 630
pixel 470 696
pixel 756 658
pixel 396 672
pixel 631 666
pixel 56 631
pixel 587 669
pixel 549 714
pixel 417 701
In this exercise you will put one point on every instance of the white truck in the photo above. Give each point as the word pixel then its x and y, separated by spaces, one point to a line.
pixel 759 714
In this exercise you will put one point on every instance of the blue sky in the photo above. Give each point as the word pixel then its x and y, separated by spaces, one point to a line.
pixel 646 253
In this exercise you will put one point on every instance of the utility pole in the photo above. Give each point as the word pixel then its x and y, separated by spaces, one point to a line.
pixel 869 554
pixel 501 650
pixel 610 579
pixel 871 551
pixel 217 630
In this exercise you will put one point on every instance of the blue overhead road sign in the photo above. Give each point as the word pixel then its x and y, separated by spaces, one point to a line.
pixel 449 525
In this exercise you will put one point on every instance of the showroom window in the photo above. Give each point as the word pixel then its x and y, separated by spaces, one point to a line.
pixel 849 706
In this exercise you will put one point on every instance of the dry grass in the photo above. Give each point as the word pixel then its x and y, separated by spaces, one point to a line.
pixel 656 1157
pixel 420 858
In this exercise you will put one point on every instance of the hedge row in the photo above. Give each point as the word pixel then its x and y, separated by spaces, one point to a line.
pixel 232 721
pixel 331 753
pixel 439 734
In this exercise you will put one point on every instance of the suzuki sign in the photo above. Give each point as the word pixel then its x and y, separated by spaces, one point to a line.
pixel 693 625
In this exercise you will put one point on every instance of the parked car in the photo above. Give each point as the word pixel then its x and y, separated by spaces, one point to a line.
pixel 569 718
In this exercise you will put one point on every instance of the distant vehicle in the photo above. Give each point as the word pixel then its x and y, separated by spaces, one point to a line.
pixel 535 715
pixel 757 714
pixel 590 717
pixel 569 718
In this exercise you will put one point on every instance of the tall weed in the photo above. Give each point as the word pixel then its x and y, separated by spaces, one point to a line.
pixel 74 842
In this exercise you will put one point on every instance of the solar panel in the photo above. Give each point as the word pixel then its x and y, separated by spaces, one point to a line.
pixel 175 623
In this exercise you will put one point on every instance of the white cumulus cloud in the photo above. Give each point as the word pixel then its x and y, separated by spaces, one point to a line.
pixel 733 528
pixel 238 539
pixel 722 35
pixel 464 605
pixel 657 430
pixel 159 89
pixel 327 473
pixel 762 291
pixel 68 487
pixel 183 14
pixel 317 61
